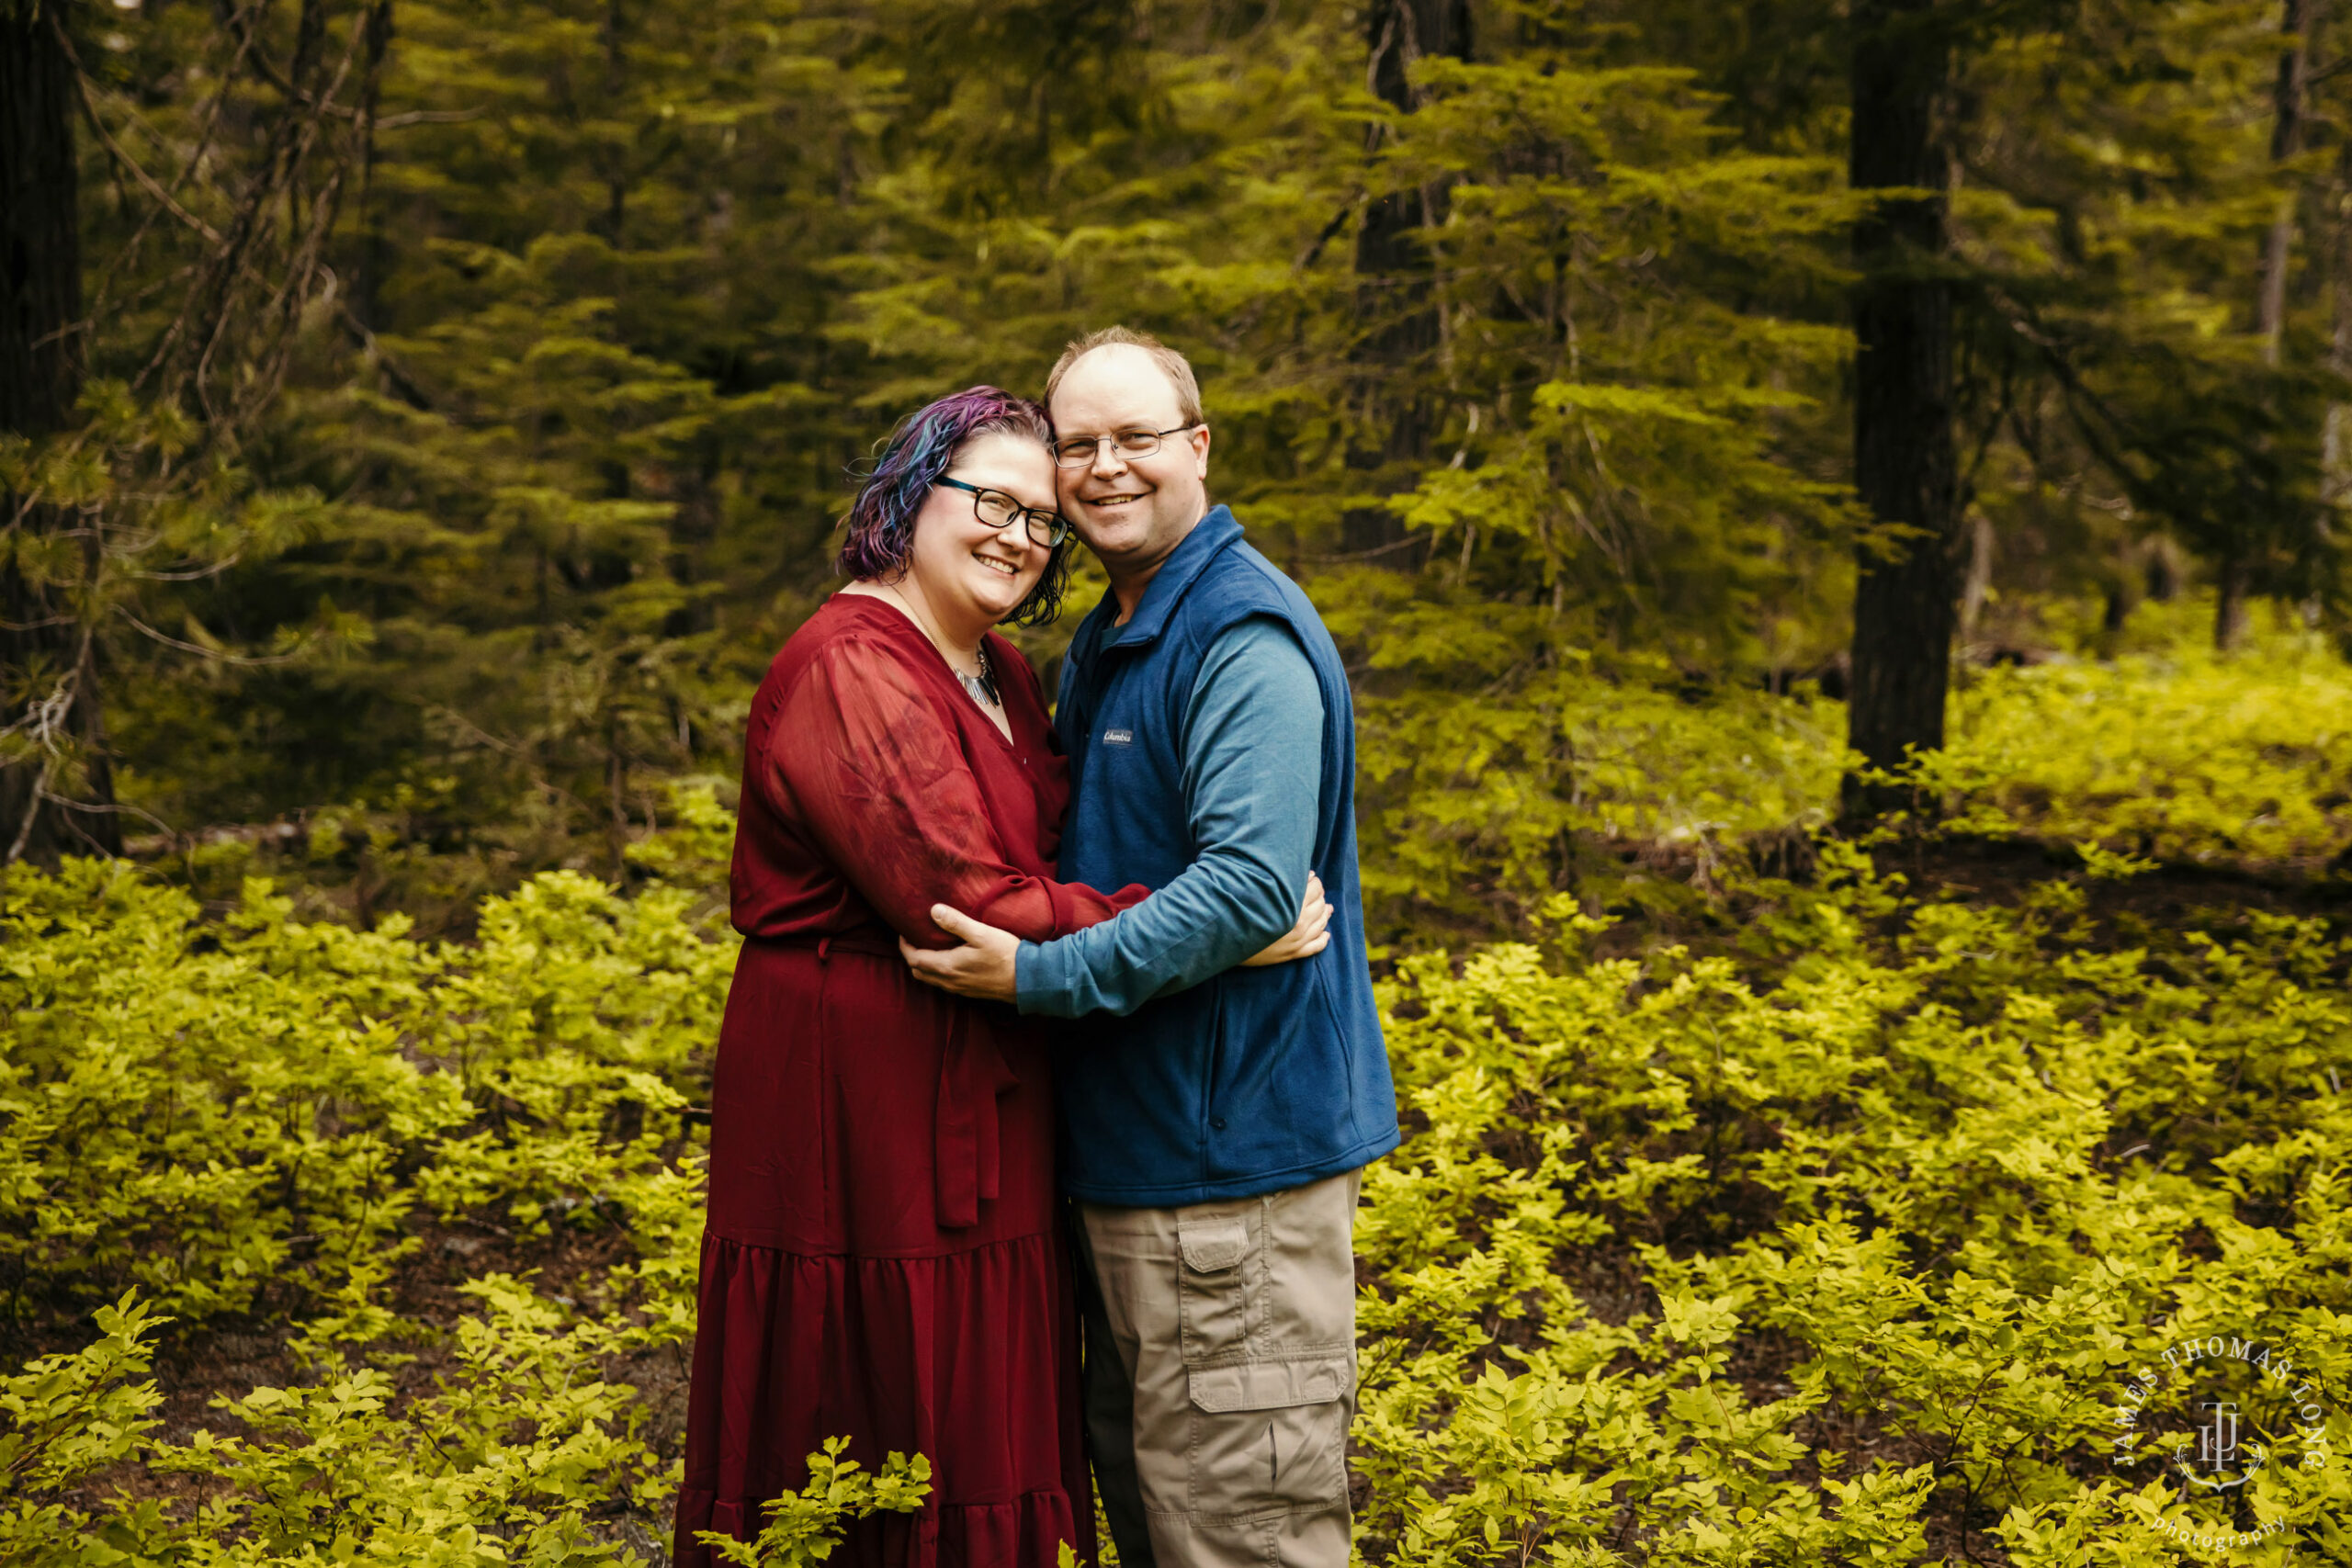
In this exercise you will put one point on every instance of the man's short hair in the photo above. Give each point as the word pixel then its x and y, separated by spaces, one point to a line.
pixel 1174 366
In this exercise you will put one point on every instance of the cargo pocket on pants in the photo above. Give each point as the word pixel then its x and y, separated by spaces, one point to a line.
pixel 1270 1436
pixel 1213 1288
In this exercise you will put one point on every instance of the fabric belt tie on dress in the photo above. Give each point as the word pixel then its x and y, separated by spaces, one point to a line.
pixel 972 1073
pixel 965 1154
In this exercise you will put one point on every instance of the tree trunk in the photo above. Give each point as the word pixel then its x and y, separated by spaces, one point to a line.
pixel 1976 585
pixel 2164 569
pixel 2296 20
pixel 1393 269
pixel 368 273
pixel 40 371
pixel 2229 603
pixel 1905 464
pixel 2335 433
pixel 2116 613
pixel 617 156
pixel 47 667
pixel 2335 446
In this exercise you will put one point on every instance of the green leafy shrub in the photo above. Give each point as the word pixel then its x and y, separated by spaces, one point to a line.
pixel 217 1111
pixel 1832 1245
pixel 1499 763
pixel 517 1456
pixel 71 1418
pixel 805 1527
pixel 201 1112
pixel 2179 753
pixel 1840 1253
pixel 1491 756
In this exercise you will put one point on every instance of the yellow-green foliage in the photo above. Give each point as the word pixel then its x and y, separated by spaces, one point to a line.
pixel 252 1115
pixel 508 1461
pixel 1824 1251
pixel 2179 754
pixel 213 1110
pixel 1895 1216
pixel 805 1527
pixel 1477 802
pixel 1488 749
pixel 1456 789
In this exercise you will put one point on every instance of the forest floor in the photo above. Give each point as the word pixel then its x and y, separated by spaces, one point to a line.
pixel 1664 894
pixel 1659 896
pixel 1657 901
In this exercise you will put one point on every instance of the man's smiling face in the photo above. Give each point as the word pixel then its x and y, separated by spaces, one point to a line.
pixel 1132 511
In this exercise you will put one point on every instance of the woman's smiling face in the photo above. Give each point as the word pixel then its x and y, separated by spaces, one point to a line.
pixel 966 570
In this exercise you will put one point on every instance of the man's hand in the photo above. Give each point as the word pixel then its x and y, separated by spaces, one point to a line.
pixel 982 967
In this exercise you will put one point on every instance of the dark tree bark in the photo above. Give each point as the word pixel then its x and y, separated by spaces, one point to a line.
pixel 2335 449
pixel 2233 579
pixel 47 667
pixel 40 372
pixel 1976 579
pixel 2296 18
pixel 615 157
pixel 368 271
pixel 1904 463
pixel 2229 586
pixel 1393 267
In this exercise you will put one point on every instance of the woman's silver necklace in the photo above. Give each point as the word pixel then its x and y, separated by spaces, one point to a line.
pixel 982 686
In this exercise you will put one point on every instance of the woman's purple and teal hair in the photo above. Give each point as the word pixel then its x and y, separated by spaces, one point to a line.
pixel 881 522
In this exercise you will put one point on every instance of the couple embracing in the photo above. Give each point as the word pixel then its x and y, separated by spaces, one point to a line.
pixel 994 960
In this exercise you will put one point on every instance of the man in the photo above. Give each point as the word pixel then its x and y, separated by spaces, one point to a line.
pixel 1214 1140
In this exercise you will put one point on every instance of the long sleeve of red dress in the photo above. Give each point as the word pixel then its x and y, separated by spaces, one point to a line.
pixel 860 756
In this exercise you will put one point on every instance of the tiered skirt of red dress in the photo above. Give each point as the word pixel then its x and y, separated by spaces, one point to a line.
pixel 885 1261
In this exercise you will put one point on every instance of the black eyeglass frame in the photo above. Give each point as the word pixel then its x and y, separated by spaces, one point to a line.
pixel 1159 438
pixel 1020 513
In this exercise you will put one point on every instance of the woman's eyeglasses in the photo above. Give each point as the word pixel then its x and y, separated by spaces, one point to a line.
pixel 1078 450
pixel 999 510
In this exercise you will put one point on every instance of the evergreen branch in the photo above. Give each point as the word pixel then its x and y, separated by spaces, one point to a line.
pixel 245 661
pixel 117 808
pixel 192 574
pixel 36 797
pixel 404 383
pixel 211 299
pixel 115 149
pixel 240 23
pixel 1314 252
pixel 1338 557
pixel 208 127
pixel 47 717
pixel 426 116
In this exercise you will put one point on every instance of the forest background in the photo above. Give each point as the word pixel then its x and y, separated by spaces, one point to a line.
pixel 427 419
pixel 1832 508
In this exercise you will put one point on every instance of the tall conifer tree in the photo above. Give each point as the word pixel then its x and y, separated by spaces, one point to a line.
pixel 1401 324
pixel 1905 460
pixel 56 779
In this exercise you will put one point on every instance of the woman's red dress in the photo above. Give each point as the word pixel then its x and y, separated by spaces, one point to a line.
pixel 884 1259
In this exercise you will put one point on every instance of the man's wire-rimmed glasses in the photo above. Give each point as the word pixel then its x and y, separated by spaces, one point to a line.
pixel 999 510
pixel 1077 451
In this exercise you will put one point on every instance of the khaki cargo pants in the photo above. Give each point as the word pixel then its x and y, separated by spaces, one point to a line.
pixel 1220 1377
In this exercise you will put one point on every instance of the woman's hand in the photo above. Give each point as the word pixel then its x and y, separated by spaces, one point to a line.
pixel 1307 938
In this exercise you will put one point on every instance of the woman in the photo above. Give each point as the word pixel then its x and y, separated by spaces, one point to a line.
pixel 884 1259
